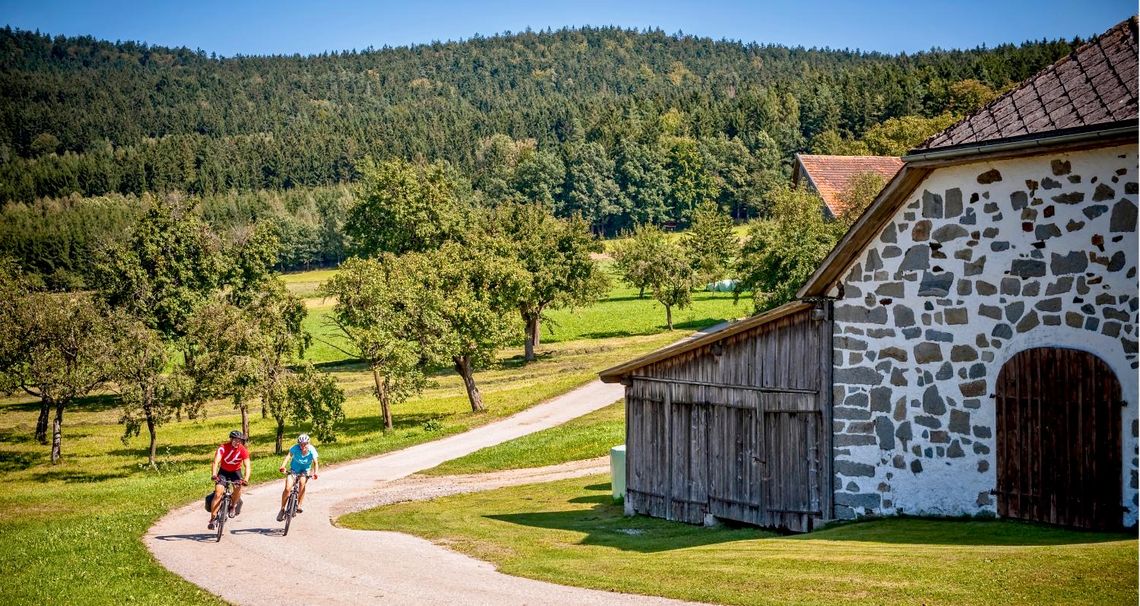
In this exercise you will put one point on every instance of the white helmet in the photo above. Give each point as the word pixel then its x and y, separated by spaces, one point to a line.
pixel 303 438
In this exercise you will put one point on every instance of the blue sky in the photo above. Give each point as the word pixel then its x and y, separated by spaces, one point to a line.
pixel 289 26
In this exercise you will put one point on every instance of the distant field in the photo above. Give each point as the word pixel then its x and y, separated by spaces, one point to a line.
pixel 305 283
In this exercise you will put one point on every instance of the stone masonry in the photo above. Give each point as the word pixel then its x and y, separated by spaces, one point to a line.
pixel 986 260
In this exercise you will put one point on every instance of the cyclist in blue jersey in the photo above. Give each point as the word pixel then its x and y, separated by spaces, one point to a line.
pixel 301 460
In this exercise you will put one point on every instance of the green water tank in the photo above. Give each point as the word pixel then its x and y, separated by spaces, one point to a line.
pixel 617 471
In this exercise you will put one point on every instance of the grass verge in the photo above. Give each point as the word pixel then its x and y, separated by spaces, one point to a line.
pixel 569 532
pixel 586 437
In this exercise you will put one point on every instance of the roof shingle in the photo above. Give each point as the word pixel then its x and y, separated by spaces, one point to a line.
pixel 1094 85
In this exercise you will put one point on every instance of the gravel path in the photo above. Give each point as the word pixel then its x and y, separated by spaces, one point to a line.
pixel 323 564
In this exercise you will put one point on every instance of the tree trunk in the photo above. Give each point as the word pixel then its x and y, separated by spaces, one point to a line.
pixel 669 316
pixel 244 415
pixel 280 434
pixel 57 435
pixel 531 340
pixel 42 421
pixel 463 367
pixel 533 332
pixel 641 293
pixel 153 439
pixel 382 395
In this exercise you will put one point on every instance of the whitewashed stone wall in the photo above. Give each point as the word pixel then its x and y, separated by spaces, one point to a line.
pixel 985 261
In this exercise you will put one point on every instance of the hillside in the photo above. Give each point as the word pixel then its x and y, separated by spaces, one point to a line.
pixel 87 116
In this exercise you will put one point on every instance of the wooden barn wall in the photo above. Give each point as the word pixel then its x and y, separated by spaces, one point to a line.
pixel 738 429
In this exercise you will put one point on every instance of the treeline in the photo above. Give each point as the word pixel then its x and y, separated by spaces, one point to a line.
pixel 57 241
pixel 89 117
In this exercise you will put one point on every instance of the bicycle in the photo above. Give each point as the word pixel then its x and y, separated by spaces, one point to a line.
pixel 224 509
pixel 294 498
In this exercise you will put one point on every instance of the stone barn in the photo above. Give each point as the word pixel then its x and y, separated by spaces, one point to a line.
pixel 968 348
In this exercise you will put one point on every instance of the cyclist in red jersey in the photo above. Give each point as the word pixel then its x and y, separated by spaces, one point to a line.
pixel 231 462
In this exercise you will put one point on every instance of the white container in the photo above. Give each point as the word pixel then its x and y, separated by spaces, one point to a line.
pixel 617 471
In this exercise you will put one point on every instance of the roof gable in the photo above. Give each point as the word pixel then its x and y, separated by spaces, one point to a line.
pixel 832 175
pixel 1095 85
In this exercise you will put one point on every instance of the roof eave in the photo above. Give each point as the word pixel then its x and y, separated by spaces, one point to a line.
pixel 617 373
pixel 1098 132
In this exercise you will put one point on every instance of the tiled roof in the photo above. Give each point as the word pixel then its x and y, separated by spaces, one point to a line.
pixel 1094 85
pixel 830 175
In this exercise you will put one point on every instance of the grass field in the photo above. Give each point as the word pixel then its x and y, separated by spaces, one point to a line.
pixel 621 314
pixel 72 530
pixel 569 532
pixel 586 437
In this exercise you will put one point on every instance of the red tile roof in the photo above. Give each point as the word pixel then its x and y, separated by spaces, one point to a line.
pixel 1095 85
pixel 831 175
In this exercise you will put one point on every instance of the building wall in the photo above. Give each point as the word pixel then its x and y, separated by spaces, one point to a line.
pixel 986 260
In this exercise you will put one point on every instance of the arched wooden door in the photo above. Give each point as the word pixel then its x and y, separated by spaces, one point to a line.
pixel 1058 439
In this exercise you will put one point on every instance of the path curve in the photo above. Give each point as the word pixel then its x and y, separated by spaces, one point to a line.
pixel 255 565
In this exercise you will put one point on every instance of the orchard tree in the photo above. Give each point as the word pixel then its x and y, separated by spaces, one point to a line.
pixel 673 282
pixel 226 347
pixel 405 207
pixel 278 315
pixel 149 397
pixel 56 347
pixel 781 253
pixel 314 397
pixel 636 256
pixel 710 244
pixel 468 295
pixel 378 311
pixel 554 256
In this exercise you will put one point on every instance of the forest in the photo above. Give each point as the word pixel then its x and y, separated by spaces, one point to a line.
pixel 620 127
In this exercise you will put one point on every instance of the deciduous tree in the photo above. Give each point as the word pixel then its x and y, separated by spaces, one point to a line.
pixel 378 311
pixel 407 207
pixel 57 347
pixel 779 254
pixel 673 283
pixel 554 256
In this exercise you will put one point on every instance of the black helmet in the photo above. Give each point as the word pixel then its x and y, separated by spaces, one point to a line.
pixel 237 434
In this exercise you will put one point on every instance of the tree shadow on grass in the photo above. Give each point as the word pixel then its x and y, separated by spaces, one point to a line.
pixel 20 460
pixel 604 524
pixel 75 477
pixel 95 403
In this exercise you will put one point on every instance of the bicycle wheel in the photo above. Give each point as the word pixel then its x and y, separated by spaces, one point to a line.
pixel 290 509
pixel 223 515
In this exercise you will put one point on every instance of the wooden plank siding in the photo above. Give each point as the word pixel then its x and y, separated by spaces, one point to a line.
pixel 738 429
